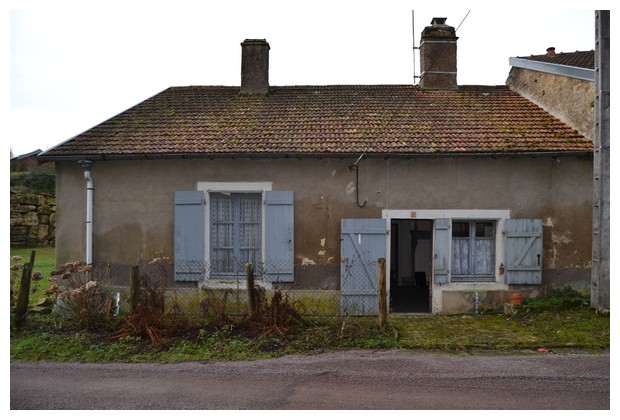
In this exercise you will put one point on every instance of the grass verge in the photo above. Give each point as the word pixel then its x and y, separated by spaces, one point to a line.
pixel 560 320
pixel 46 338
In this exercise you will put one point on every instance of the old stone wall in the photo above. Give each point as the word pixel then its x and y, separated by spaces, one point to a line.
pixel 33 219
pixel 568 99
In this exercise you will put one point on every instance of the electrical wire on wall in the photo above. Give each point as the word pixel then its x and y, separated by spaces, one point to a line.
pixel 356 167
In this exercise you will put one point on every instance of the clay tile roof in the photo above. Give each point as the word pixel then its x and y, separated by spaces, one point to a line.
pixel 583 59
pixel 326 120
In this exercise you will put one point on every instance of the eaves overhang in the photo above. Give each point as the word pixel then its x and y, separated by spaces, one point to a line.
pixel 532 154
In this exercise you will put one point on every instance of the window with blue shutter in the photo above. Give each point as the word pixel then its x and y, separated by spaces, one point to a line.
pixel 189 235
pixel 234 222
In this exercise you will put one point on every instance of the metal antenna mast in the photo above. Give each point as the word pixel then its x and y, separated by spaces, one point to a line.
pixel 414 46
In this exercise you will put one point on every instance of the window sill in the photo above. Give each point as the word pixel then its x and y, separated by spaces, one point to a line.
pixel 473 280
pixel 230 284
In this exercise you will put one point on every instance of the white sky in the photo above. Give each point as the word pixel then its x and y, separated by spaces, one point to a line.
pixel 74 64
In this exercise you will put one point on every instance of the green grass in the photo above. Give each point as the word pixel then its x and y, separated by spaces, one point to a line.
pixel 580 328
pixel 44 262
pixel 48 338
pixel 45 258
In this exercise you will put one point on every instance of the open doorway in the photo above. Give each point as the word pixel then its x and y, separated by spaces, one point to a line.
pixel 411 265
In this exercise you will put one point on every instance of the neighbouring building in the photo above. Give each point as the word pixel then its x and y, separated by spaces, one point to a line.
pixel 28 162
pixel 560 83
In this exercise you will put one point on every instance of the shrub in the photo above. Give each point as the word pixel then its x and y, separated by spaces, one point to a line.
pixel 36 181
pixel 553 298
pixel 81 294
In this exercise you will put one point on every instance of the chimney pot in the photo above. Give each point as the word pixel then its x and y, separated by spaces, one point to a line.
pixel 254 67
pixel 551 52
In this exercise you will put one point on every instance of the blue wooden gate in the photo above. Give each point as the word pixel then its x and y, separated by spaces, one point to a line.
pixel 363 242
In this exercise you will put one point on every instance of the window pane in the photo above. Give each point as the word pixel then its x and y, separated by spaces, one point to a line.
pixel 223 261
pixel 222 208
pixel 484 256
pixel 249 209
pixel 249 256
pixel 223 235
pixel 460 256
pixel 460 229
pixel 484 230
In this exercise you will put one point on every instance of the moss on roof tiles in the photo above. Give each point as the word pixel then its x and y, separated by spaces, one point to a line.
pixel 382 119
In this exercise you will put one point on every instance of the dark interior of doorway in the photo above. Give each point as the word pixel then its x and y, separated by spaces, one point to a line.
pixel 410 265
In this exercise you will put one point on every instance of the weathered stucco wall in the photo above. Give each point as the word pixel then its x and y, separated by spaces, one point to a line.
pixel 568 99
pixel 133 216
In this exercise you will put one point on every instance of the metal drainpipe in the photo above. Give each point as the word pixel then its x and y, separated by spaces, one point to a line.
pixel 86 165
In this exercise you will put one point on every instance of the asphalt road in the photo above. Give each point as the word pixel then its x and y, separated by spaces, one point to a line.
pixel 342 380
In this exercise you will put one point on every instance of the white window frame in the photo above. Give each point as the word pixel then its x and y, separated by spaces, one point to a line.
pixel 226 188
pixel 471 238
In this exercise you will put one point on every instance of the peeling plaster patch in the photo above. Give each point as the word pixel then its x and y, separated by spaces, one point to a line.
pixel 548 222
pixel 350 189
pixel 322 252
pixel 307 261
pixel 558 240
pixel 323 242
pixel 333 173
pixel 561 239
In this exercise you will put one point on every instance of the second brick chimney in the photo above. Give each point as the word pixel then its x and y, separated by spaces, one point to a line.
pixel 254 67
pixel 438 56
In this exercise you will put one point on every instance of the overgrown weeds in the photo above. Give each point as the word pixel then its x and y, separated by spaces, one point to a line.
pixel 556 299
pixel 81 294
pixel 272 316
pixel 148 319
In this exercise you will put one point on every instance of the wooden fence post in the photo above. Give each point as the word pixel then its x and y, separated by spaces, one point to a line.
pixel 381 276
pixel 24 292
pixel 249 275
pixel 134 287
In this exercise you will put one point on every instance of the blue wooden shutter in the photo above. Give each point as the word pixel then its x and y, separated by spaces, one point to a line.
pixel 524 251
pixel 363 242
pixel 189 235
pixel 279 236
pixel 441 264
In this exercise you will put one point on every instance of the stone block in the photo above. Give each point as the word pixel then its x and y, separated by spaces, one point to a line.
pixel 31 219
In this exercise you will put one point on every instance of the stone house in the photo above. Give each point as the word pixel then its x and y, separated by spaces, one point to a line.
pixel 468 192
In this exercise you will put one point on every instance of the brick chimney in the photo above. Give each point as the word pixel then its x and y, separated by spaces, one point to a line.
pixel 551 52
pixel 438 56
pixel 254 67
